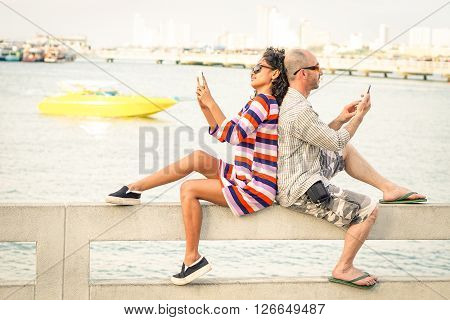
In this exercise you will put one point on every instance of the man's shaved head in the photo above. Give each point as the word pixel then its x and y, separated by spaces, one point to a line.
pixel 306 79
pixel 295 59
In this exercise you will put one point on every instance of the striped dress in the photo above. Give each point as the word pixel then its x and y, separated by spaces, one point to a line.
pixel 250 183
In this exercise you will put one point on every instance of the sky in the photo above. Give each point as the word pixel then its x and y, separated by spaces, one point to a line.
pixel 110 22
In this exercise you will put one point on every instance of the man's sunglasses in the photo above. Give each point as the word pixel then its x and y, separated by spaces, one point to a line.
pixel 314 68
pixel 256 69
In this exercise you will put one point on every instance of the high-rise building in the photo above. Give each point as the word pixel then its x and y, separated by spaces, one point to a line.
pixel 309 37
pixel 355 41
pixel 235 41
pixel 420 37
pixel 383 35
pixel 381 43
pixel 185 35
pixel 174 35
pixel 262 26
pixel 141 33
pixel 274 29
pixel 440 38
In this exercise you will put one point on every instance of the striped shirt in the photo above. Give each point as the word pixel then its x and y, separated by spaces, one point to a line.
pixel 250 183
pixel 301 135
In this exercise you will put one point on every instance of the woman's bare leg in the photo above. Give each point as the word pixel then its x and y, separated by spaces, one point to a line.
pixel 198 161
pixel 190 193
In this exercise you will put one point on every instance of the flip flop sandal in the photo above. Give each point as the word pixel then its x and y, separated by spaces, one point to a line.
pixel 404 199
pixel 352 283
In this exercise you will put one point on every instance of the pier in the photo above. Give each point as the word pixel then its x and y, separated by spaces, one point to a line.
pixel 63 233
pixel 403 68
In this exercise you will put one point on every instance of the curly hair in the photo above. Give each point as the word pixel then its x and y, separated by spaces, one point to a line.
pixel 275 58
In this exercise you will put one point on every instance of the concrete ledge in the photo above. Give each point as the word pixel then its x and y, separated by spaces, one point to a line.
pixel 17 290
pixel 63 232
pixel 395 222
pixel 108 222
pixel 273 289
pixel 43 224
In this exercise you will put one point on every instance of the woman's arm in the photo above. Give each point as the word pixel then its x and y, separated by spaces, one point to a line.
pixel 206 100
pixel 216 112
pixel 209 117
pixel 237 129
pixel 207 113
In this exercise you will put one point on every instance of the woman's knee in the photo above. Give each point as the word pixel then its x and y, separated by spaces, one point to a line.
pixel 202 161
pixel 187 190
pixel 197 154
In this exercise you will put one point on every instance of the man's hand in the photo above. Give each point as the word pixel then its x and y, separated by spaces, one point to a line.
pixel 364 106
pixel 348 112
pixel 361 110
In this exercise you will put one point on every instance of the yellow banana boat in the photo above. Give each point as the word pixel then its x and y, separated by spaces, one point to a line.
pixel 99 105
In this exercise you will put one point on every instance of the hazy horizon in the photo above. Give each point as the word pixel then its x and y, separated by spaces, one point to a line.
pixel 107 23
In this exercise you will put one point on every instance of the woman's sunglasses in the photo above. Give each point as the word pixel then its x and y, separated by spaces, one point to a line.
pixel 256 69
pixel 314 68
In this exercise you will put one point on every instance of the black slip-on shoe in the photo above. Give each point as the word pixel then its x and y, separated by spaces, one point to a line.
pixel 124 197
pixel 192 272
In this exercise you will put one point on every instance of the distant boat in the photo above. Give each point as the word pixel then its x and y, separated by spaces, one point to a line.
pixel 54 54
pixel 11 53
pixel 104 103
pixel 12 57
pixel 58 54
pixel 33 54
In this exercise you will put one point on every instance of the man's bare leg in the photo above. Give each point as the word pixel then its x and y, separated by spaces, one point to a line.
pixel 357 167
pixel 354 238
pixel 198 161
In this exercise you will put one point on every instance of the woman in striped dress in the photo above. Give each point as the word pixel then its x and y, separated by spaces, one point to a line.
pixel 249 184
pixel 246 185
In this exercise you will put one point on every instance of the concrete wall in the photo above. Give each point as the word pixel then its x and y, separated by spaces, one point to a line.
pixel 272 289
pixel 63 232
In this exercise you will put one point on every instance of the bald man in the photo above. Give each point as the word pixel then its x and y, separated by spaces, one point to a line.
pixel 311 152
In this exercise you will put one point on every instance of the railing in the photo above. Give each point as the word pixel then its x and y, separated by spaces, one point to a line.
pixel 63 232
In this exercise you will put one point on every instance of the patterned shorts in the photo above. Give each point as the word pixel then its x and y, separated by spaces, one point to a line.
pixel 344 207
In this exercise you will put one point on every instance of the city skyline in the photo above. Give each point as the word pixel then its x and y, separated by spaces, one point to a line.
pixel 180 24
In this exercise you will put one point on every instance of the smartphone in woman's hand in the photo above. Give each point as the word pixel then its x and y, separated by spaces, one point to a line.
pixel 200 79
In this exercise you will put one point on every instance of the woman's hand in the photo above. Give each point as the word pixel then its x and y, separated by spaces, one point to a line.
pixel 204 97
pixel 198 100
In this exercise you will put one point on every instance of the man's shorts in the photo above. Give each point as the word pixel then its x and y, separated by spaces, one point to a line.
pixel 344 207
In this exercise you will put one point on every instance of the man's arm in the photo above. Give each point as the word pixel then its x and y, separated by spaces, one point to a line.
pixel 308 127
pixel 336 124
pixel 353 125
pixel 346 114
pixel 361 110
